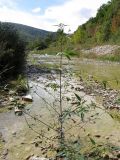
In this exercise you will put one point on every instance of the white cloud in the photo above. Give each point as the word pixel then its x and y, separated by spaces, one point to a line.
pixel 36 10
pixel 72 13
pixel 8 3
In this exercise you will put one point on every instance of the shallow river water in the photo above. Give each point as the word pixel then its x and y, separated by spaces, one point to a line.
pixel 20 140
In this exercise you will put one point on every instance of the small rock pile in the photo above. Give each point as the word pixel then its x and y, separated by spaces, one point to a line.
pixel 102 50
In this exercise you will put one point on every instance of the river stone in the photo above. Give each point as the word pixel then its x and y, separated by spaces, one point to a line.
pixel 5 152
pixel 27 98
pixel 18 112
pixel 12 92
pixel 12 99
pixel 14 133
pixel 118 155
pixel 38 158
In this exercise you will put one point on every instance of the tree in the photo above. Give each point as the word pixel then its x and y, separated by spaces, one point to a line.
pixel 49 39
pixel 38 44
pixel 80 35
pixel 12 51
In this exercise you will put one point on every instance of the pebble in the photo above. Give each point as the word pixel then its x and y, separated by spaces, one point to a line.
pixel 5 152
pixel 14 133
pixel 97 136
pixel 107 137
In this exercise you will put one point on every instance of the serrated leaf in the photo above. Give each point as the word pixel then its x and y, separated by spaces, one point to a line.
pixel 78 97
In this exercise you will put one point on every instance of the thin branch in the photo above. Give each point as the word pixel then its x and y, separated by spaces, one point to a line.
pixel 5 70
pixel 39 121
pixel 45 90
pixel 47 103
pixel 34 130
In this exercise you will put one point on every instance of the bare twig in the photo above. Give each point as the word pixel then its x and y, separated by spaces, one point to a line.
pixel 35 118
pixel 34 129
pixel 48 103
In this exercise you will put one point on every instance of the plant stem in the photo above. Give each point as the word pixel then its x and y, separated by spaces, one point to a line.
pixel 61 110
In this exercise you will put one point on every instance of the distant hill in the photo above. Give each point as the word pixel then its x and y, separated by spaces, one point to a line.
pixel 29 33
pixel 103 28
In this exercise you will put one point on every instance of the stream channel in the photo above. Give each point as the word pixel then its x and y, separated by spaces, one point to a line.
pixel 20 142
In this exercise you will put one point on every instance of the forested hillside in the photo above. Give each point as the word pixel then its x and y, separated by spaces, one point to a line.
pixel 105 27
pixel 29 33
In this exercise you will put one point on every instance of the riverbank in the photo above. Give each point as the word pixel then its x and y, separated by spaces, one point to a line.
pixel 105 52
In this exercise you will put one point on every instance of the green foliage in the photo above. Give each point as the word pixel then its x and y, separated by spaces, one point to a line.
pixel 71 151
pixel 50 38
pixel 80 35
pixel 61 38
pixel 37 44
pixel 41 43
pixel 92 141
pixel 54 86
pixel 104 82
pixel 118 101
pixel 78 97
pixel 69 53
pixel 12 51
pixel 115 114
pixel 112 57
pixel 80 110
pixel 105 27
pixel 21 85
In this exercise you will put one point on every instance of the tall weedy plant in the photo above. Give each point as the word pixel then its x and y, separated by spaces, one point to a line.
pixel 67 117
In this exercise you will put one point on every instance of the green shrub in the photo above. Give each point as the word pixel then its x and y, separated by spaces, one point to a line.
pixel 12 52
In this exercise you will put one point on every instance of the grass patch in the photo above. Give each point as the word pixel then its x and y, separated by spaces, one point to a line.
pixel 3 109
pixel 118 101
pixel 112 57
pixel 115 114
pixel 52 50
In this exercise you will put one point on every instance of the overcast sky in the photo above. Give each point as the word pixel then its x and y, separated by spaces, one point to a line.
pixel 44 14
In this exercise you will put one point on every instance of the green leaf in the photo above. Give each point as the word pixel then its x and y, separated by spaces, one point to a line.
pixel 82 116
pixel 81 158
pixel 78 97
pixel 67 55
pixel 70 53
pixel 117 101
pixel 92 141
pixel 68 99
